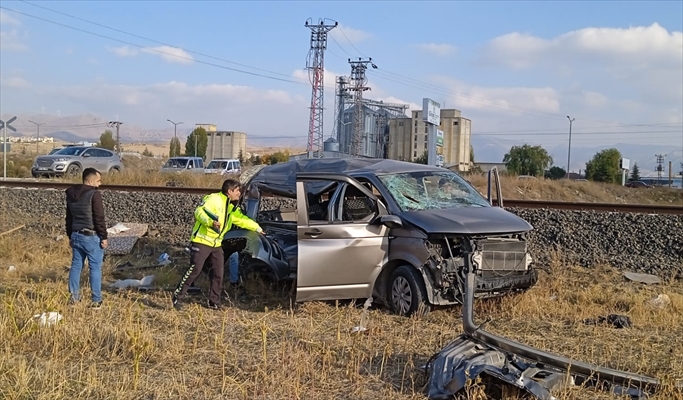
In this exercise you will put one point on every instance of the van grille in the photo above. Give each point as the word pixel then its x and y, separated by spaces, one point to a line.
pixel 503 255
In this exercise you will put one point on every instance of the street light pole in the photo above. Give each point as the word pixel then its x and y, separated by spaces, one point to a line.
pixel 37 134
pixel 569 149
pixel 175 125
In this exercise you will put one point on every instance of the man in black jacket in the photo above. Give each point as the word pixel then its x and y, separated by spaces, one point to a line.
pixel 87 232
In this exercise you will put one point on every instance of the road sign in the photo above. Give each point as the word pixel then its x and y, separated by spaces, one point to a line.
pixel 7 123
pixel 4 125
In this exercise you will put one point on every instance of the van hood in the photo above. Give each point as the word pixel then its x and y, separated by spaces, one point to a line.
pixel 467 221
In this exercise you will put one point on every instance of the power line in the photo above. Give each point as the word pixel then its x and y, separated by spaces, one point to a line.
pixel 153 40
pixel 152 49
pixel 508 133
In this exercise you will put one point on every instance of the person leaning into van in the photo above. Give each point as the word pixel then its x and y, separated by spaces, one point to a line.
pixel 213 218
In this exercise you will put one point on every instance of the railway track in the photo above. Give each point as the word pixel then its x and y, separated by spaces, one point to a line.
pixel 511 203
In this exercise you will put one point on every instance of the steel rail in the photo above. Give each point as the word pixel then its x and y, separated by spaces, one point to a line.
pixel 508 203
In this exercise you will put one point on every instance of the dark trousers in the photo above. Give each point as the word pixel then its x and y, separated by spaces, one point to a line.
pixel 199 254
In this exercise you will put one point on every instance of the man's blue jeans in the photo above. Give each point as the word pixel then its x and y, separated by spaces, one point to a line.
pixel 83 247
pixel 233 262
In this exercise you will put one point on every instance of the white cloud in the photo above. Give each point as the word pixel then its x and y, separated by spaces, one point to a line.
pixel 124 51
pixel 641 45
pixel 594 99
pixel 15 83
pixel 514 100
pixel 170 54
pixel 172 93
pixel 344 34
pixel 7 19
pixel 9 41
pixel 329 78
pixel 92 61
pixel 438 49
pixel 167 53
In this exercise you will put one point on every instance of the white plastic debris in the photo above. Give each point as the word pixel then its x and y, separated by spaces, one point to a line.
pixel 126 283
pixel 164 259
pixel 48 318
pixel 647 279
pixel 11 268
pixel 363 317
pixel 661 301
pixel 117 228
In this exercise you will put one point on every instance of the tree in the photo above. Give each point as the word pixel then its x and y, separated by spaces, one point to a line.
pixel 278 157
pixel 635 172
pixel 471 154
pixel 527 160
pixel 107 141
pixel 240 156
pixel 556 173
pixel 202 143
pixel 422 159
pixel 175 147
pixel 147 153
pixel 604 167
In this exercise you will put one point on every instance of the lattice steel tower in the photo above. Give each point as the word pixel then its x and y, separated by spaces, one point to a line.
pixel 341 95
pixel 358 82
pixel 315 64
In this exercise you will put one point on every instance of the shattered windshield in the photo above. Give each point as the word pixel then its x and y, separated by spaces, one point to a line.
pixel 430 190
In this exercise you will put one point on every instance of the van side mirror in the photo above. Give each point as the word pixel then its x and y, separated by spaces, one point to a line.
pixel 391 221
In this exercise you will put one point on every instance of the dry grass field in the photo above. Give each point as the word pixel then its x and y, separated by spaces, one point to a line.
pixel 264 346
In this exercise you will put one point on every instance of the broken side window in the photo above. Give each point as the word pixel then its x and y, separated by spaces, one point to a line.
pixel 318 196
pixel 356 205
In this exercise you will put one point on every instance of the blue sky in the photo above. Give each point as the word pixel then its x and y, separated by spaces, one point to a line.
pixel 512 67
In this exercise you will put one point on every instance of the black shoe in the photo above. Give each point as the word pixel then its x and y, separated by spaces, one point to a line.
pixel 176 303
pixel 213 306
pixel 96 305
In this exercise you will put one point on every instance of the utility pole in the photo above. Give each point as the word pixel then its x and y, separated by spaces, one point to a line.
pixel 116 124
pixel 175 124
pixel 315 64
pixel 342 94
pixel 37 134
pixel 569 149
pixel 660 168
pixel 358 86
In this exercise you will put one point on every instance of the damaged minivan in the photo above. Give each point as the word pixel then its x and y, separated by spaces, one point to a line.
pixel 352 228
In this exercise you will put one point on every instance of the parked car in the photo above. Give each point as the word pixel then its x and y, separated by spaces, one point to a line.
pixel 184 164
pixel 397 231
pixel 73 160
pixel 638 184
pixel 223 166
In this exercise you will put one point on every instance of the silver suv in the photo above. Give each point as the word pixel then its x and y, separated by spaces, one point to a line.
pixel 73 160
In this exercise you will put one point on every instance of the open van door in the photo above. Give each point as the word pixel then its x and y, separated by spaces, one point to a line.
pixel 342 238
pixel 493 173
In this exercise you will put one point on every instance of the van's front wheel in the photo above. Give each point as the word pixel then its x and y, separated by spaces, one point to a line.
pixel 407 295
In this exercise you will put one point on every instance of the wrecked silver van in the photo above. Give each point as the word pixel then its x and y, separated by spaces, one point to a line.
pixel 393 230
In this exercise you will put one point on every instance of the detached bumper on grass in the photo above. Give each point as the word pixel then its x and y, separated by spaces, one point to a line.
pixel 479 353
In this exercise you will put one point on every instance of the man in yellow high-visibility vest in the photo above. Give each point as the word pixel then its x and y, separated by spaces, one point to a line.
pixel 213 218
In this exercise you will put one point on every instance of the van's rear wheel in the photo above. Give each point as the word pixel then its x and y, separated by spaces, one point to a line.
pixel 407 294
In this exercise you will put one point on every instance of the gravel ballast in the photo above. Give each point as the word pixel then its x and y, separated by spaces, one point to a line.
pixel 627 241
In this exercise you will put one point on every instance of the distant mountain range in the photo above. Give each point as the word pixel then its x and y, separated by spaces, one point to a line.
pixel 89 127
